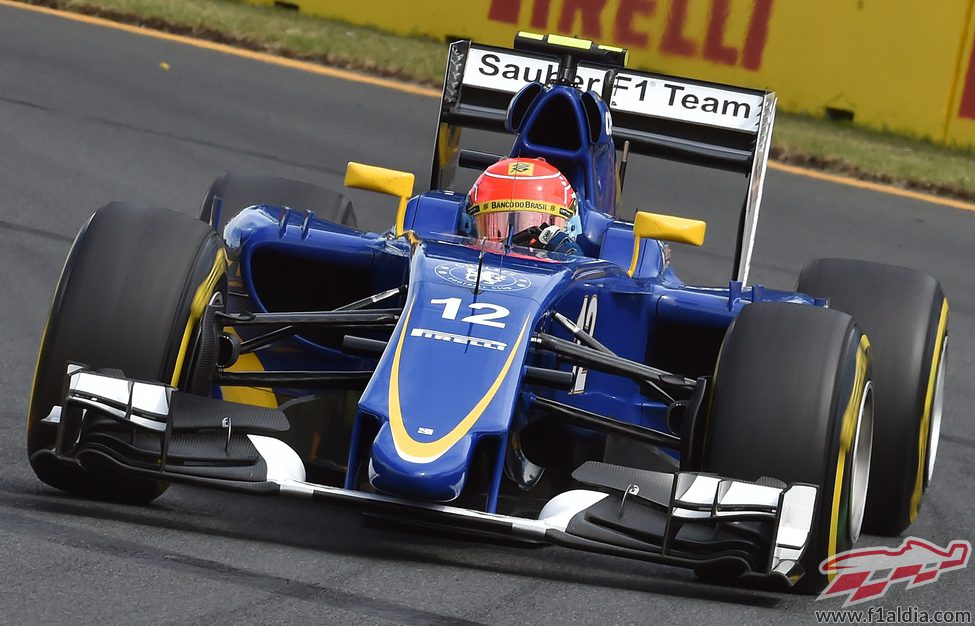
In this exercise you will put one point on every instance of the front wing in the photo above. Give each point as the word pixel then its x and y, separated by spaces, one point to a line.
pixel 686 518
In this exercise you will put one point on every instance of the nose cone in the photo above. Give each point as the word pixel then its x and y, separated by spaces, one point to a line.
pixel 452 371
pixel 433 480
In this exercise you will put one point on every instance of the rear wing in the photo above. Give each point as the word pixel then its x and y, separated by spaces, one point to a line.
pixel 679 119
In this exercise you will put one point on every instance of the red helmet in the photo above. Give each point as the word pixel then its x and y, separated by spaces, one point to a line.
pixel 515 194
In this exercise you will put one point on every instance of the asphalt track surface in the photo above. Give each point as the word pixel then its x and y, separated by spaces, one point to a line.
pixel 88 115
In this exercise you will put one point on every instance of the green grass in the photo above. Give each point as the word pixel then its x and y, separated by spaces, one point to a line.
pixel 816 143
pixel 279 31
pixel 874 155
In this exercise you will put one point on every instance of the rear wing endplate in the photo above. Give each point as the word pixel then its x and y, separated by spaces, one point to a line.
pixel 679 119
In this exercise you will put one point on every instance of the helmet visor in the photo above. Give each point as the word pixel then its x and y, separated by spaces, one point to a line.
pixel 497 225
pixel 497 220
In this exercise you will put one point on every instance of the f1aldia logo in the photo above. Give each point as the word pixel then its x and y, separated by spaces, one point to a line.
pixel 867 573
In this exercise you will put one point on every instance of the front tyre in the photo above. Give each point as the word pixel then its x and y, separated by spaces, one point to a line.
pixel 793 401
pixel 133 290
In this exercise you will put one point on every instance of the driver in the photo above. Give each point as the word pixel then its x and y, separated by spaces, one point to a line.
pixel 528 199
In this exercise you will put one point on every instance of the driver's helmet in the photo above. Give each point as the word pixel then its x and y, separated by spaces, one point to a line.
pixel 515 195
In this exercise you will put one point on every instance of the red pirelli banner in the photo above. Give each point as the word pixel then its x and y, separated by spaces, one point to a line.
pixel 891 64
pixel 629 26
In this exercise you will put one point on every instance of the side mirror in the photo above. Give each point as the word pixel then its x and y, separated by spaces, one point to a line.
pixel 666 228
pixel 385 181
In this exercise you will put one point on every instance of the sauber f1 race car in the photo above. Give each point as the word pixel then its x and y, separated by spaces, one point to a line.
pixel 437 374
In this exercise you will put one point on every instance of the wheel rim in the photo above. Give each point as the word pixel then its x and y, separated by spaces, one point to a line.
pixel 937 404
pixel 860 465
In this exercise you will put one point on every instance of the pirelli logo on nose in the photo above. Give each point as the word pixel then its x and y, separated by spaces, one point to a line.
pixel 525 169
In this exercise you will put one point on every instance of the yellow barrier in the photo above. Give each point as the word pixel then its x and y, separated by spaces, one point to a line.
pixel 899 65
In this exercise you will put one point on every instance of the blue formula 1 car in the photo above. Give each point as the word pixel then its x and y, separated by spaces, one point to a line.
pixel 435 374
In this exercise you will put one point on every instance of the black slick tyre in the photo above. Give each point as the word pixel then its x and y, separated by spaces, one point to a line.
pixel 133 290
pixel 905 314
pixel 792 401
pixel 231 193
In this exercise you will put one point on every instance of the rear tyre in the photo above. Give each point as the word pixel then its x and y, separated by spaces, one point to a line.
pixel 133 290
pixel 905 314
pixel 792 400
pixel 231 193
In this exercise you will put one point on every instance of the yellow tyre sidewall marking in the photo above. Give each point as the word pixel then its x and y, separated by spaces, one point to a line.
pixel 201 298
pixel 925 430
pixel 847 433
pixel 257 396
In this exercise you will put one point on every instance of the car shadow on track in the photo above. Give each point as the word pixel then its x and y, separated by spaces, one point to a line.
pixel 301 524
